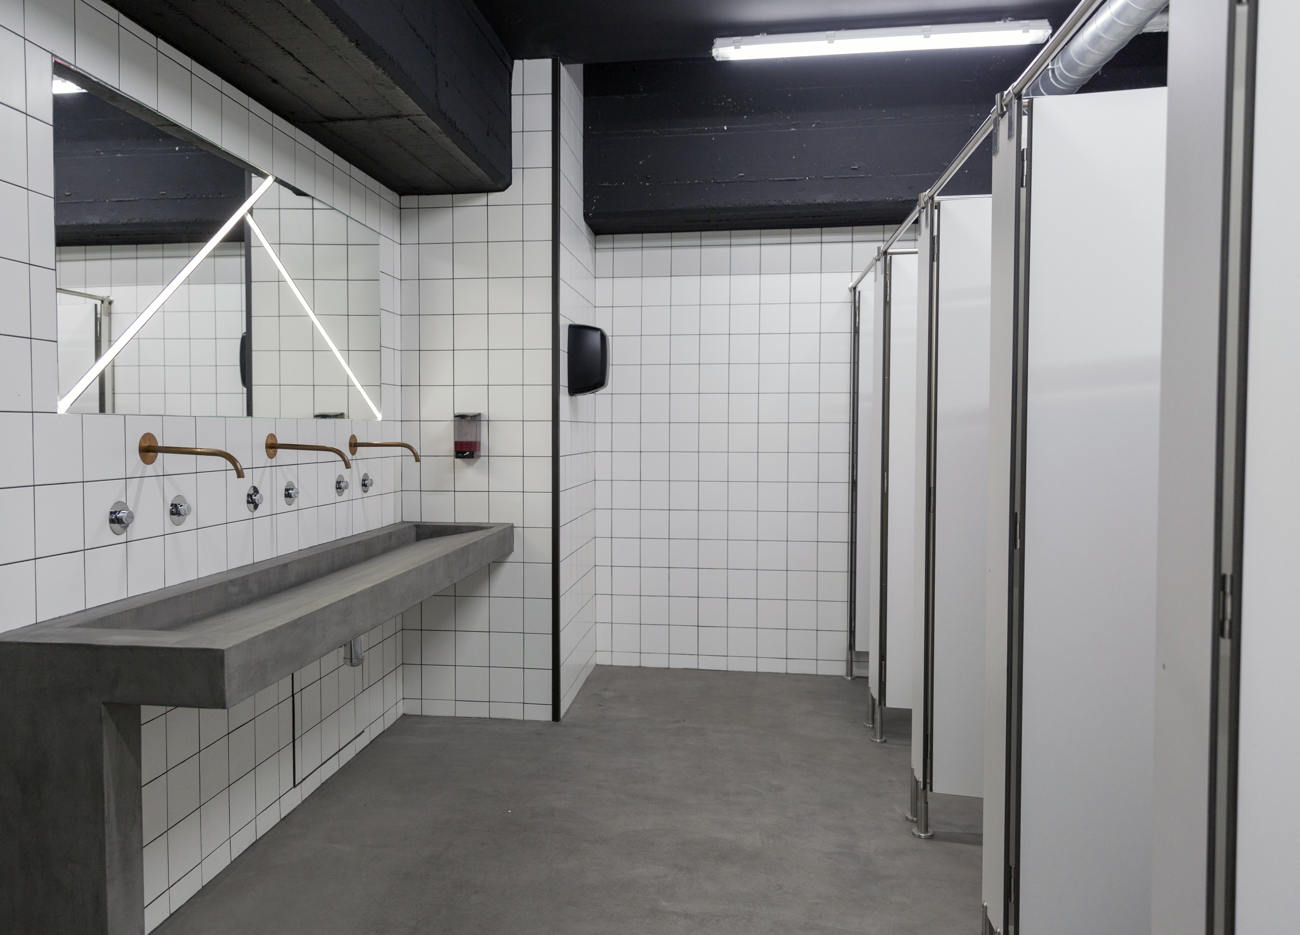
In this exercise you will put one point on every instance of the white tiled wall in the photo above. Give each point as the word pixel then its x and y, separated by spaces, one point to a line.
pixel 723 449
pixel 215 780
pixel 479 277
pixel 61 473
pixel 577 425
pixel 186 360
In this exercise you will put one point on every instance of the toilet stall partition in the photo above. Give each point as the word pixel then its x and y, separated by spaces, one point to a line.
pixel 950 506
pixel 885 483
pixel 1078 538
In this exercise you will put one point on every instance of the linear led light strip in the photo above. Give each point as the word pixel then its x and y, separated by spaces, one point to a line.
pixel 293 287
pixel 900 39
pixel 65 403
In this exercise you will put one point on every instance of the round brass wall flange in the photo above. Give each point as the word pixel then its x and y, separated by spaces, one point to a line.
pixel 272 445
pixel 352 445
pixel 148 442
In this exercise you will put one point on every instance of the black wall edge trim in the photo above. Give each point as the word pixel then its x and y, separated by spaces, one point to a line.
pixel 556 116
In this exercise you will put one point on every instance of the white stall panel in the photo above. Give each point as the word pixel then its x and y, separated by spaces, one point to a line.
pixel 902 415
pixel 961 494
pixel 1097 204
pixel 1006 183
pixel 1268 760
pixel 872 345
pixel 868 481
pixel 900 603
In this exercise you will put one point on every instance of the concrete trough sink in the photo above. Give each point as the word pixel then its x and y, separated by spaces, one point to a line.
pixel 70 810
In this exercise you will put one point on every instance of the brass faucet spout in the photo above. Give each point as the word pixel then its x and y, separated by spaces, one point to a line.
pixel 353 445
pixel 150 450
pixel 274 446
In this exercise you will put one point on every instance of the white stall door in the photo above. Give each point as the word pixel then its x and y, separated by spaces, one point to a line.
pixel 899 534
pixel 1268 760
pixel 1097 204
pixel 961 494
pixel 868 492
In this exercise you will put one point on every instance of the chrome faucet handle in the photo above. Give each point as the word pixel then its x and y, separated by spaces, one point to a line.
pixel 340 485
pixel 366 483
pixel 290 493
pixel 120 516
pixel 253 499
pixel 179 510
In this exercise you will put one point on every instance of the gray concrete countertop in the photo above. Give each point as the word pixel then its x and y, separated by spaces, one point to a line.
pixel 215 641
pixel 71 839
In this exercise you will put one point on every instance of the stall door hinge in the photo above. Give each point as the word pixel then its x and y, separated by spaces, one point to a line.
pixel 1225 607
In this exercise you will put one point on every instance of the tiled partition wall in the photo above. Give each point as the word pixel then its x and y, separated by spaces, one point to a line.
pixel 62 472
pixel 478 275
pixel 723 463
pixel 576 425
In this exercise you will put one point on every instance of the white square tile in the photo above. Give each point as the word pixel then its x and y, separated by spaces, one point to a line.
pixel 59 519
pixel 14 232
pixel 57 448
pixel 13 155
pixel 144 565
pixel 96 41
pixel 48 23
pixel 60 585
pixel 40 98
pixel 40 157
pixel 18 585
pixel 106 579
pixel 103 447
pixel 139 68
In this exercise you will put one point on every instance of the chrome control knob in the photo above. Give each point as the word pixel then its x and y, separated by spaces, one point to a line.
pixel 340 485
pixel 366 483
pixel 120 516
pixel 179 510
pixel 290 493
pixel 254 499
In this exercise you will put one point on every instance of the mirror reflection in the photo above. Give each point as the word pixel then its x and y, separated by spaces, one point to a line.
pixel 190 284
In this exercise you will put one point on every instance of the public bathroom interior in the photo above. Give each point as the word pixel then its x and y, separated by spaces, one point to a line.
pixel 693 467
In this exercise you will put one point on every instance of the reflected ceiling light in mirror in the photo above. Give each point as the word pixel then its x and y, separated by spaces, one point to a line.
pixel 65 402
pixel 64 86
pixel 893 39
pixel 320 329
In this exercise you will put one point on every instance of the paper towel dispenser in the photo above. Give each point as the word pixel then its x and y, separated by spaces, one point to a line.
pixel 588 359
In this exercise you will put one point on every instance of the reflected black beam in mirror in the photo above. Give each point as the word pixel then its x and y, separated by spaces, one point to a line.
pixel 121 180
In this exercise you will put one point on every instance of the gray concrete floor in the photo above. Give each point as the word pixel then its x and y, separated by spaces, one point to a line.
pixel 666 802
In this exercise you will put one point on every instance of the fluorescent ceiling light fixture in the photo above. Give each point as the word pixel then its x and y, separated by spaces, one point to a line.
pixel 897 39
pixel 293 287
pixel 64 86
pixel 65 403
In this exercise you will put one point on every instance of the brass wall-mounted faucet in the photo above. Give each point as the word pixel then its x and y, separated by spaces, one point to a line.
pixel 274 446
pixel 353 445
pixel 150 450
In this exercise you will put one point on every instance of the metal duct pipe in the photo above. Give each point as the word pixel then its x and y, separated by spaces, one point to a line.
pixel 1095 44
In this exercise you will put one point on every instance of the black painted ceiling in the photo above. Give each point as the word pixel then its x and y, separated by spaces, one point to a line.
pixel 637 30
pixel 416 94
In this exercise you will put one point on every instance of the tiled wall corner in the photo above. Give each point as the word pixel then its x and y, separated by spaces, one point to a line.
pixel 577 426
pixel 478 277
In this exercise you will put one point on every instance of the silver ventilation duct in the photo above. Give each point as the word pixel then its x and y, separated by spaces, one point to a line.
pixel 1109 30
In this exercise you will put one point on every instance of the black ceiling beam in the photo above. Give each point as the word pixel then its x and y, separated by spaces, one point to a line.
pixel 852 140
pixel 415 93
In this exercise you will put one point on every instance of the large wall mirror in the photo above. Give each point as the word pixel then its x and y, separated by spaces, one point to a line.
pixel 191 283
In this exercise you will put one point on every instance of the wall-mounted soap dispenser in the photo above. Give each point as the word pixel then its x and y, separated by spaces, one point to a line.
pixel 588 359
pixel 469 438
